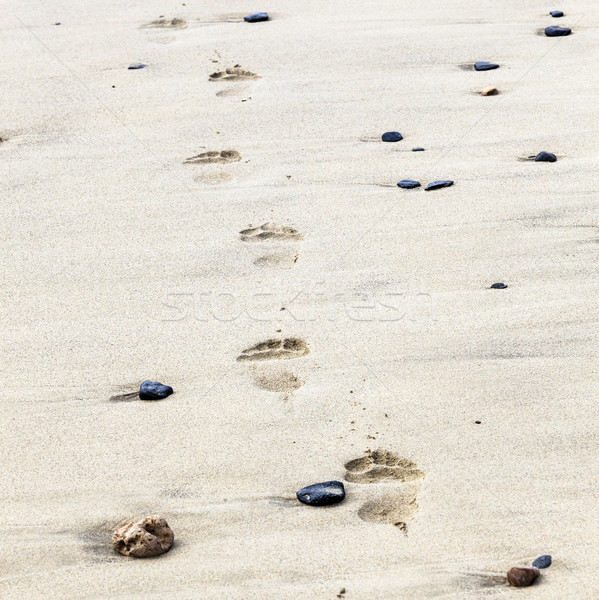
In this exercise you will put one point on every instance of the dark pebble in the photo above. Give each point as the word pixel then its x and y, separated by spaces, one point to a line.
pixel 485 66
pixel 498 286
pixel 408 184
pixel 152 390
pixel 435 185
pixel 477 422
pixel 555 31
pixel 136 66
pixel 545 157
pixel 392 136
pixel 322 494
pixel 542 562
pixel 56 23
pixel 522 576
pixel 417 149
pixel 256 17
pixel 556 13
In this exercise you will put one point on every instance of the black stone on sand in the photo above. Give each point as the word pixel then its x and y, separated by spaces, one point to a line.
pixel 408 184
pixel 322 494
pixel 256 17
pixel 498 286
pixel 153 390
pixel 545 157
pixel 392 136
pixel 542 562
pixel 555 31
pixel 435 185
pixel 485 66
pixel 556 13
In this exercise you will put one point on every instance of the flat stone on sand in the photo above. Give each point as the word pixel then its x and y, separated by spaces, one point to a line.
pixel 322 494
pixel 408 184
pixel 545 157
pixel 435 185
pixel 417 149
pixel 490 91
pixel 542 562
pixel 136 66
pixel 392 136
pixel 153 390
pixel 256 17
pixel 522 576
pixel 498 286
pixel 556 13
pixel 485 66
pixel 147 537
pixel 555 31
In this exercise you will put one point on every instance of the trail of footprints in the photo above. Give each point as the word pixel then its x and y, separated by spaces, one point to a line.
pixel 274 380
pixel 390 483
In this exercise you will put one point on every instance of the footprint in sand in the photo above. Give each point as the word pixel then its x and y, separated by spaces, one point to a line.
pixel 165 23
pixel 271 232
pixel 278 381
pixel 235 73
pixel 275 349
pixel 158 29
pixel 396 502
pixel 214 157
pixel 237 76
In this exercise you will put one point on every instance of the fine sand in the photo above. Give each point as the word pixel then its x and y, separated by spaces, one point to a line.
pixel 226 221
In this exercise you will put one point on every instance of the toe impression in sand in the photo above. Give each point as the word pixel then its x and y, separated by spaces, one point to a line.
pixel 150 536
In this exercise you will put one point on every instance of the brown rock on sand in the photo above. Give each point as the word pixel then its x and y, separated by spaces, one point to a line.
pixel 149 536
pixel 490 91
pixel 522 576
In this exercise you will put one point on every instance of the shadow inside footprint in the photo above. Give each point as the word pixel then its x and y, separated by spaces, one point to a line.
pixel 270 231
pixel 281 260
pixel 281 381
pixel 235 73
pixel 214 157
pixel 275 349
pixel 391 509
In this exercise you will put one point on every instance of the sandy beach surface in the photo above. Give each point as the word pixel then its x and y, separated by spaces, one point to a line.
pixel 122 261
